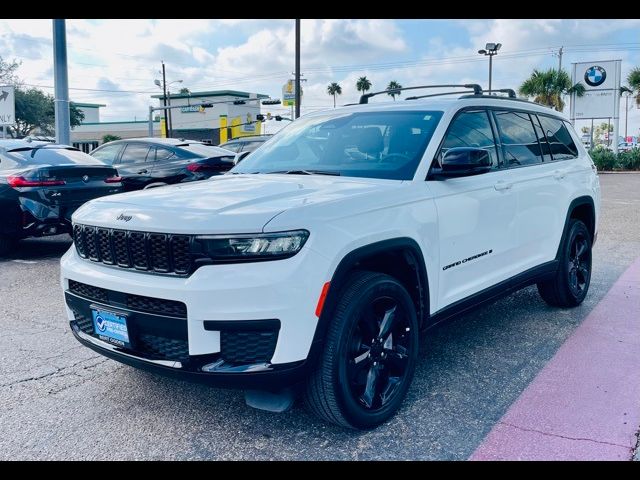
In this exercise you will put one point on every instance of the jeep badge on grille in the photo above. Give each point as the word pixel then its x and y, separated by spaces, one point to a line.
pixel 123 217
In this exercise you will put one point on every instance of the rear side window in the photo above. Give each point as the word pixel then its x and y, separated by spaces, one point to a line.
pixel 135 153
pixel 108 153
pixel 546 152
pixel 560 141
pixel 471 129
pixel 164 154
pixel 519 140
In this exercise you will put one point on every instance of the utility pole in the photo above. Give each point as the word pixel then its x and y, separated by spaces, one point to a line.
pixel 297 68
pixel 61 83
pixel 164 99
pixel 560 59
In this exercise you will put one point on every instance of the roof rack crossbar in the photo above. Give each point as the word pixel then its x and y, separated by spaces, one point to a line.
pixel 477 89
pixel 440 94
pixel 510 91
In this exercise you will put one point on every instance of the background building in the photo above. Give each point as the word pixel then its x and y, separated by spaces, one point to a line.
pixel 232 110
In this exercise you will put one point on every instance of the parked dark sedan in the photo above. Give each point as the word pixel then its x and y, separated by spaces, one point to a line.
pixel 153 162
pixel 42 184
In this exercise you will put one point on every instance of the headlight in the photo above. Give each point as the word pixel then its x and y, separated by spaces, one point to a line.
pixel 251 247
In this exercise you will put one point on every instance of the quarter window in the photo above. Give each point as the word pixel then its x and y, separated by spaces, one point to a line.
pixel 562 145
pixel 519 140
pixel 471 129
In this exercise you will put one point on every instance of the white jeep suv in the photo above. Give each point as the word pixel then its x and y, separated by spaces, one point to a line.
pixel 313 266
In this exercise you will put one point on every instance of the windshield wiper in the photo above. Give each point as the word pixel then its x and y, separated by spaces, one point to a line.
pixel 307 172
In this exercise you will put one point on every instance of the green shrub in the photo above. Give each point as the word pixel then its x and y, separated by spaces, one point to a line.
pixel 630 160
pixel 110 138
pixel 605 160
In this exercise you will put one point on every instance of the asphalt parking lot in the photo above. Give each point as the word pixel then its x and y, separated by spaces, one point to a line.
pixel 63 401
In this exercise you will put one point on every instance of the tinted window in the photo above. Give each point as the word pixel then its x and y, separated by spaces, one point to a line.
pixel 519 140
pixel 201 150
pixel 51 156
pixel 234 147
pixel 108 153
pixel 134 153
pixel 546 154
pixel 471 129
pixel 164 154
pixel 562 145
pixel 361 144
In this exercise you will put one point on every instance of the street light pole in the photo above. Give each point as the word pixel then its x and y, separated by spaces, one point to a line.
pixel 164 99
pixel 491 49
pixel 61 83
pixel 297 67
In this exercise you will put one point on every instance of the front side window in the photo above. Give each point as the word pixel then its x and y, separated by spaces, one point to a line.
pixel 471 129
pixel 519 140
pixel 562 145
pixel 386 145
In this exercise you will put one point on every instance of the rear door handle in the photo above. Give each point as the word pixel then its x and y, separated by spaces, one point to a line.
pixel 502 185
pixel 142 171
pixel 559 174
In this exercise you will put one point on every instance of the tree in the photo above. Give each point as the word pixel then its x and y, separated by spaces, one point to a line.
pixel 35 110
pixel 600 130
pixel 549 86
pixel 363 85
pixel 7 72
pixel 185 91
pixel 110 138
pixel 585 129
pixel 334 89
pixel 633 79
pixel 393 89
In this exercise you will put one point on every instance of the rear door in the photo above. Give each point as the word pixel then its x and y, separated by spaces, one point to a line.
pixel 135 165
pixel 539 186
pixel 169 166
pixel 475 215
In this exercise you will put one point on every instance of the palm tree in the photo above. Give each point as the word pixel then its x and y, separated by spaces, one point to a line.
pixel 363 84
pixel 548 86
pixel 633 79
pixel 334 89
pixel 393 89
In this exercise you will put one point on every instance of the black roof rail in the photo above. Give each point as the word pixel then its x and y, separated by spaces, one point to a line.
pixel 438 95
pixel 477 89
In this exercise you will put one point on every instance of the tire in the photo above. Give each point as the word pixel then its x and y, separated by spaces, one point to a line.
pixel 569 286
pixel 359 383
pixel 6 245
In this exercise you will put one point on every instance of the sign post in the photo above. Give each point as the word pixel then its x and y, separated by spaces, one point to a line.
pixel 7 108
pixel 601 99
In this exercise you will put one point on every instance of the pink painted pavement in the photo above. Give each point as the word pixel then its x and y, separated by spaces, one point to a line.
pixel 585 403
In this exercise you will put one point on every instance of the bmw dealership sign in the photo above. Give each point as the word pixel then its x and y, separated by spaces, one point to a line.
pixel 602 83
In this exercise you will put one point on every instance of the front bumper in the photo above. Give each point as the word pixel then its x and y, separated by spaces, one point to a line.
pixel 218 298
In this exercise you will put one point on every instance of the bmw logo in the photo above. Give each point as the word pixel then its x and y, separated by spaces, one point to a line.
pixel 595 76
pixel 85 178
pixel 102 325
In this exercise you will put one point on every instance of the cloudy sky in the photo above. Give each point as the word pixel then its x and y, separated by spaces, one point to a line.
pixel 115 61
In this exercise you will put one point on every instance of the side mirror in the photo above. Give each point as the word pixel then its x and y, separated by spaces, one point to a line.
pixel 461 161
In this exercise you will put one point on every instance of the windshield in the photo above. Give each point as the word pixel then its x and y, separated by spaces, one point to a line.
pixel 364 144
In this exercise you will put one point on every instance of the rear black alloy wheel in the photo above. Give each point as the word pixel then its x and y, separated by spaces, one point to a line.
pixel 569 286
pixel 370 353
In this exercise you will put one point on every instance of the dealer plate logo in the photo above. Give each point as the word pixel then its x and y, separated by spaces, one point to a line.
pixel 100 322
pixel 595 76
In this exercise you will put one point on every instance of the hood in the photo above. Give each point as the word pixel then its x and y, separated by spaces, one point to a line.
pixel 223 204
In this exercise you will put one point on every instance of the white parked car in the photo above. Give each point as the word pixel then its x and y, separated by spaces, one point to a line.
pixel 314 264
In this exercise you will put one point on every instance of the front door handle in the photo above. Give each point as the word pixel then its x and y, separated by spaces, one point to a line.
pixel 502 185
pixel 142 171
pixel 559 174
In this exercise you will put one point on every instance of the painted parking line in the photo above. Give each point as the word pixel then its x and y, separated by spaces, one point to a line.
pixel 585 403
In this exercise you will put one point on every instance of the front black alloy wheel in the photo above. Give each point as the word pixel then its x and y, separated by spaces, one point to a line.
pixel 569 286
pixel 369 356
